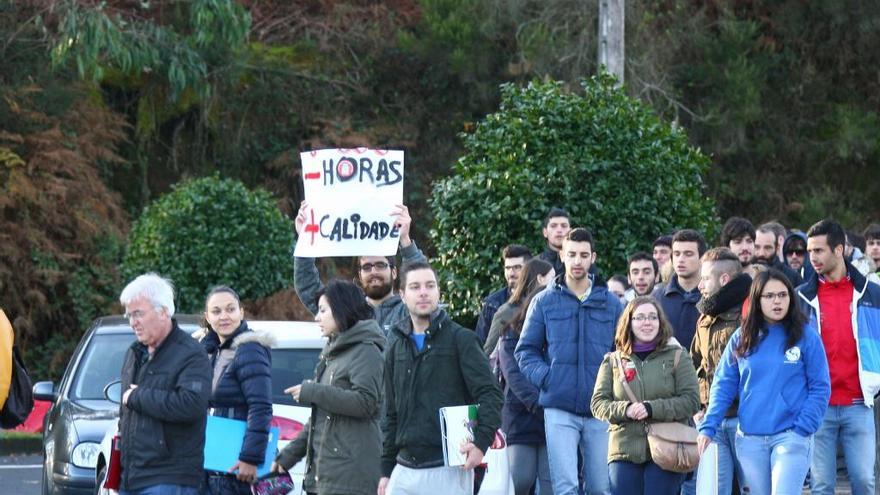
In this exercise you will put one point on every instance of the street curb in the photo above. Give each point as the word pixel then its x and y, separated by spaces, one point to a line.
pixel 19 445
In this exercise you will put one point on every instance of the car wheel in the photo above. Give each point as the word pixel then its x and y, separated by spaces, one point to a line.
pixel 99 487
pixel 45 488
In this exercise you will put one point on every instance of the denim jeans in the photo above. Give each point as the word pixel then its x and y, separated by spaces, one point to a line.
pixel 528 467
pixel 567 433
pixel 628 478
pixel 774 464
pixel 854 427
pixel 728 464
pixel 163 489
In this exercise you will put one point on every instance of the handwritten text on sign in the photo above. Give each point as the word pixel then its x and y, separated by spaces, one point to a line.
pixel 351 194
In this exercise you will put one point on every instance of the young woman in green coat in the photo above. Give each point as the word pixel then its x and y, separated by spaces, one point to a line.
pixel 341 442
pixel 667 392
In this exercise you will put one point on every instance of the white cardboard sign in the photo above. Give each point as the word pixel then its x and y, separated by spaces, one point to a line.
pixel 351 194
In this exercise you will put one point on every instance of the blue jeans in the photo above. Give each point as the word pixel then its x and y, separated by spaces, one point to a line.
pixel 164 489
pixel 774 464
pixel 728 464
pixel 567 433
pixel 854 427
pixel 628 478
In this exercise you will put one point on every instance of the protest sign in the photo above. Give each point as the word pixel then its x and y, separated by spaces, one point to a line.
pixel 351 195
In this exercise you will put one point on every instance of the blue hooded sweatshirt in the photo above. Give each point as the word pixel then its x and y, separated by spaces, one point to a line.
pixel 779 389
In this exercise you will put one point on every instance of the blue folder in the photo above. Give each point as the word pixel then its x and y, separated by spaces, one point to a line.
pixel 223 439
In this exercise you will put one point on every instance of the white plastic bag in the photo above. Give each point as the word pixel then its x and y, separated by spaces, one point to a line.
pixel 707 471
pixel 497 480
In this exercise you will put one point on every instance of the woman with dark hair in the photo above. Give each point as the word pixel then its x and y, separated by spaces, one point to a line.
pixel 659 373
pixel 241 387
pixel 342 443
pixel 522 419
pixel 535 273
pixel 776 365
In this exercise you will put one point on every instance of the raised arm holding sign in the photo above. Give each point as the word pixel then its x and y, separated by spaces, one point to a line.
pixel 376 273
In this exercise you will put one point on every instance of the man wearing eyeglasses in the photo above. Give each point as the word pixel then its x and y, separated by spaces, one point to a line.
pixel 514 257
pixel 166 383
pixel 794 252
pixel 376 274
pixel 845 310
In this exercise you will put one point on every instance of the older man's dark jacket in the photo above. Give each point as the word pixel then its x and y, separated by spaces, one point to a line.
pixel 162 426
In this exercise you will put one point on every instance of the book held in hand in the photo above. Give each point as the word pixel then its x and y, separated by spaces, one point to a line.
pixel 457 425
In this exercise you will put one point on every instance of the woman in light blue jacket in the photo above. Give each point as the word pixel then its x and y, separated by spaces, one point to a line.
pixel 777 367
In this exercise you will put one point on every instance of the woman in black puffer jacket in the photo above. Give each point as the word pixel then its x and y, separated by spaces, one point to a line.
pixel 241 387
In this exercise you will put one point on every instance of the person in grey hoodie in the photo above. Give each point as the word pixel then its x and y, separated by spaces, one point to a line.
pixel 342 442
pixel 377 274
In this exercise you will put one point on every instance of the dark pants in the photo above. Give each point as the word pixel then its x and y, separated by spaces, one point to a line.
pixel 224 484
pixel 628 478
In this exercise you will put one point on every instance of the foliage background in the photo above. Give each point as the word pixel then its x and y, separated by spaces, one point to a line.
pixel 106 104
pixel 603 156
pixel 208 232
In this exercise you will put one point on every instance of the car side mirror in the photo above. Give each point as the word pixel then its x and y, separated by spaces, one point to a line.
pixel 45 391
pixel 113 391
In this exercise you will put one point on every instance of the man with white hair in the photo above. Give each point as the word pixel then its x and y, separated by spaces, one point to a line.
pixel 166 383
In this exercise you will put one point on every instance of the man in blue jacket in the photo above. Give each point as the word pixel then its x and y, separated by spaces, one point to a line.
pixel 569 328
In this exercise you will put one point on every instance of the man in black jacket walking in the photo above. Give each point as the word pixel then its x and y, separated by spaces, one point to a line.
pixel 432 363
pixel 166 383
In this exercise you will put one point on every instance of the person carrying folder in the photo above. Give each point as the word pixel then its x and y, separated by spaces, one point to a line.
pixel 241 387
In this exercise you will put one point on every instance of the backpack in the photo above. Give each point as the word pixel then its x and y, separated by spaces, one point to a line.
pixel 21 398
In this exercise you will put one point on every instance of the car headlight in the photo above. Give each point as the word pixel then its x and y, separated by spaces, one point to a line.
pixel 85 455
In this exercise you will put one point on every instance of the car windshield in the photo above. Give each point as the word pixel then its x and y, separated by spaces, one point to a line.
pixel 101 364
pixel 290 367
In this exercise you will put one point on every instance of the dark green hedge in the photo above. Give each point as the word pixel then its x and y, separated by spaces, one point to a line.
pixel 213 231
pixel 601 155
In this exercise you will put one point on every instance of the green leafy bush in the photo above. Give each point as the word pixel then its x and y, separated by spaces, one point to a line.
pixel 601 155
pixel 213 231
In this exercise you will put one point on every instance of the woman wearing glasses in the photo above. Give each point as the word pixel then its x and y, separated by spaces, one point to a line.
pixel 659 373
pixel 776 365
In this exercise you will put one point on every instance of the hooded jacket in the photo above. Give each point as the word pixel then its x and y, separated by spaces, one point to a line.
pixel 805 271
pixel 450 370
pixel 563 342
pixel 163 424
pixel 307 283
pixel 241 387
pixel 780 387
pixel 865 324
pixel 720 316
pixel 342 441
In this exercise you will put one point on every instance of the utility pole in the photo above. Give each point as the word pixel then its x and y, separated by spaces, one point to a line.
pixel 611 39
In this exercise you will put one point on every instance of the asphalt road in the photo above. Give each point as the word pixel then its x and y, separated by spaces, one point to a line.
pixel 20 474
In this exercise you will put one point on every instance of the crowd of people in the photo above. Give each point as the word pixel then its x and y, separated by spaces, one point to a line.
pixel 768 345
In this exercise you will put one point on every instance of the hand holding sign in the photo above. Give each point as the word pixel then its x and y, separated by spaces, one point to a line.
pixel 353 204
pixel 402 224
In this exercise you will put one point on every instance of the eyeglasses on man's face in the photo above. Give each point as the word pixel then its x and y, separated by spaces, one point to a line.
pixel 379 265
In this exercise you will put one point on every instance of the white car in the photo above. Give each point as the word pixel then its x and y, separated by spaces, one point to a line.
pixel 294 356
